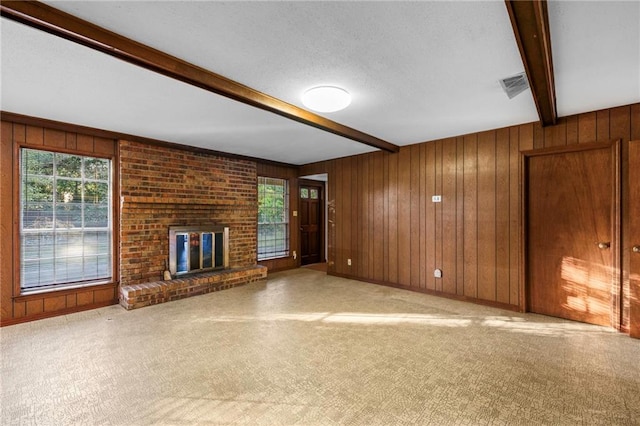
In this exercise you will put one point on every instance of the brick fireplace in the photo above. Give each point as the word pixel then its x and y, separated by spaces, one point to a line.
pixel 163 187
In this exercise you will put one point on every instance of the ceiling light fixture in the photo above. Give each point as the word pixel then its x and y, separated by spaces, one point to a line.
pixel 326 98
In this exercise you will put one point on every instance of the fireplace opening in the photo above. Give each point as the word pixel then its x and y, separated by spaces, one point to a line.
pixel 198 249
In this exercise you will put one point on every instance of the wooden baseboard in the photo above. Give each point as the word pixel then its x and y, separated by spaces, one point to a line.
pixel 43 315
pixel 499 305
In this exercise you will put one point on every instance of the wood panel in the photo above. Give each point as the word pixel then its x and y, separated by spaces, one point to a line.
pixel 448 221
pixel 486 214
pixel 354 207
pixel 474 235
pixel 437 207
pixel 6 220
pixel 470 209
pixel 343 199
pixel 378 219
pixel 404 217
pixel 460 261
pixel 634 232
pixel 393 218
pixel 587 127
pixel 16 307
pixel 502 212
pixel 415 166
pixel 430 217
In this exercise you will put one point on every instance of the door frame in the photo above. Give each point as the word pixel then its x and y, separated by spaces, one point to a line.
pixel 616 215
pixel 321 185
pixel 634 230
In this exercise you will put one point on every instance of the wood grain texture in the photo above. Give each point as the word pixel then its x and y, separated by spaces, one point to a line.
pixel 602 125
pixel 587 127
pixel 635 122
pixel 514 216
pixel 459 216
pixel 486 216
pixel 378 219
pixel 570 204
pixel 15 306
pixel 471 216
pixel 475 237
pixel 404 217
pixel 634 241
pixel 454 170
pixel 502 212
pixel 415 168
pixel 393 218
pixel 437 210
pixel 6 219
pixel 530 23
pixel 448 221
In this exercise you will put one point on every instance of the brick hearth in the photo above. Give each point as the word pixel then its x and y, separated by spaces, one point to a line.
pixel 140 295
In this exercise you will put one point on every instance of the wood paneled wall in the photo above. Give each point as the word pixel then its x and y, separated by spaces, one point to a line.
pixel 13 306
pixel 382 218
pixel 291 174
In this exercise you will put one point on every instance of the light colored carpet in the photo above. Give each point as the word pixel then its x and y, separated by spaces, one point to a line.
pixel 322 267
pixel 310 349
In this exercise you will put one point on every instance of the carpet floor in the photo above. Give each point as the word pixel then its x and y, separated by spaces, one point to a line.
pixel 304 348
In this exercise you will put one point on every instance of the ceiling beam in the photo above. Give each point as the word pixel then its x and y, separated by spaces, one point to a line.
pixel 59 23
pixel 530 22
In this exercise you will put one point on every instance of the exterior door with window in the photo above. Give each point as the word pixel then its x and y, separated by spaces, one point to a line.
pixel 311 230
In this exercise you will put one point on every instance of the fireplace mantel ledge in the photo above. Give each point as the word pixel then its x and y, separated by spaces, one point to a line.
pixel 152 293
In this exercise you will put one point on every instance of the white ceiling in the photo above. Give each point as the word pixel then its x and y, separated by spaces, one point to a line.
pixel 417 71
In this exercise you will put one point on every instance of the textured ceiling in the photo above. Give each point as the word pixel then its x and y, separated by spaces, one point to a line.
pixel 596 54
pixel 417 71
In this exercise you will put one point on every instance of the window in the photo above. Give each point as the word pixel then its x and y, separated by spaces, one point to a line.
pixel 65 220
pixel 273 218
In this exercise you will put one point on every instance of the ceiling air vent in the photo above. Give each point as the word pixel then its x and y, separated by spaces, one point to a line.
pixel 514 85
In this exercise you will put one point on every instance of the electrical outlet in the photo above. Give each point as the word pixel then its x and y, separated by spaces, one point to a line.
pixel 436 198
pixel 349 262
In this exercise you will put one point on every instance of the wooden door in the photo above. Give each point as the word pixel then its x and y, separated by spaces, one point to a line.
pixel 572 233
pixel 634 238
pixel 311 229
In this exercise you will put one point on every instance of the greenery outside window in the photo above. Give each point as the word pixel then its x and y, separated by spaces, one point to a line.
pixel 65 220
pixel 273 218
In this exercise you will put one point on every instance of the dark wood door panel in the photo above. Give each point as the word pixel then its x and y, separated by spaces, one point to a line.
pixel 311 223
pixel 571 239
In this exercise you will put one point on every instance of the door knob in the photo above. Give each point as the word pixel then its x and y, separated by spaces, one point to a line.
pixel 636 249
pixel 603 245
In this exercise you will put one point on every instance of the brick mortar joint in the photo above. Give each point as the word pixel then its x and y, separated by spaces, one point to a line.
pixel 135 294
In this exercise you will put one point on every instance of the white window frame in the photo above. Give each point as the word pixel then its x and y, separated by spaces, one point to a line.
pixel 281 245
pixel 54 282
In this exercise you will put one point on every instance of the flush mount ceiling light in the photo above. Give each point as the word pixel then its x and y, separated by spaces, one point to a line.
pixel 326 98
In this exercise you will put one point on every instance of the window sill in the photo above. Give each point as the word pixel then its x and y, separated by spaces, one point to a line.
pixel 287 256
pixel 37 294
